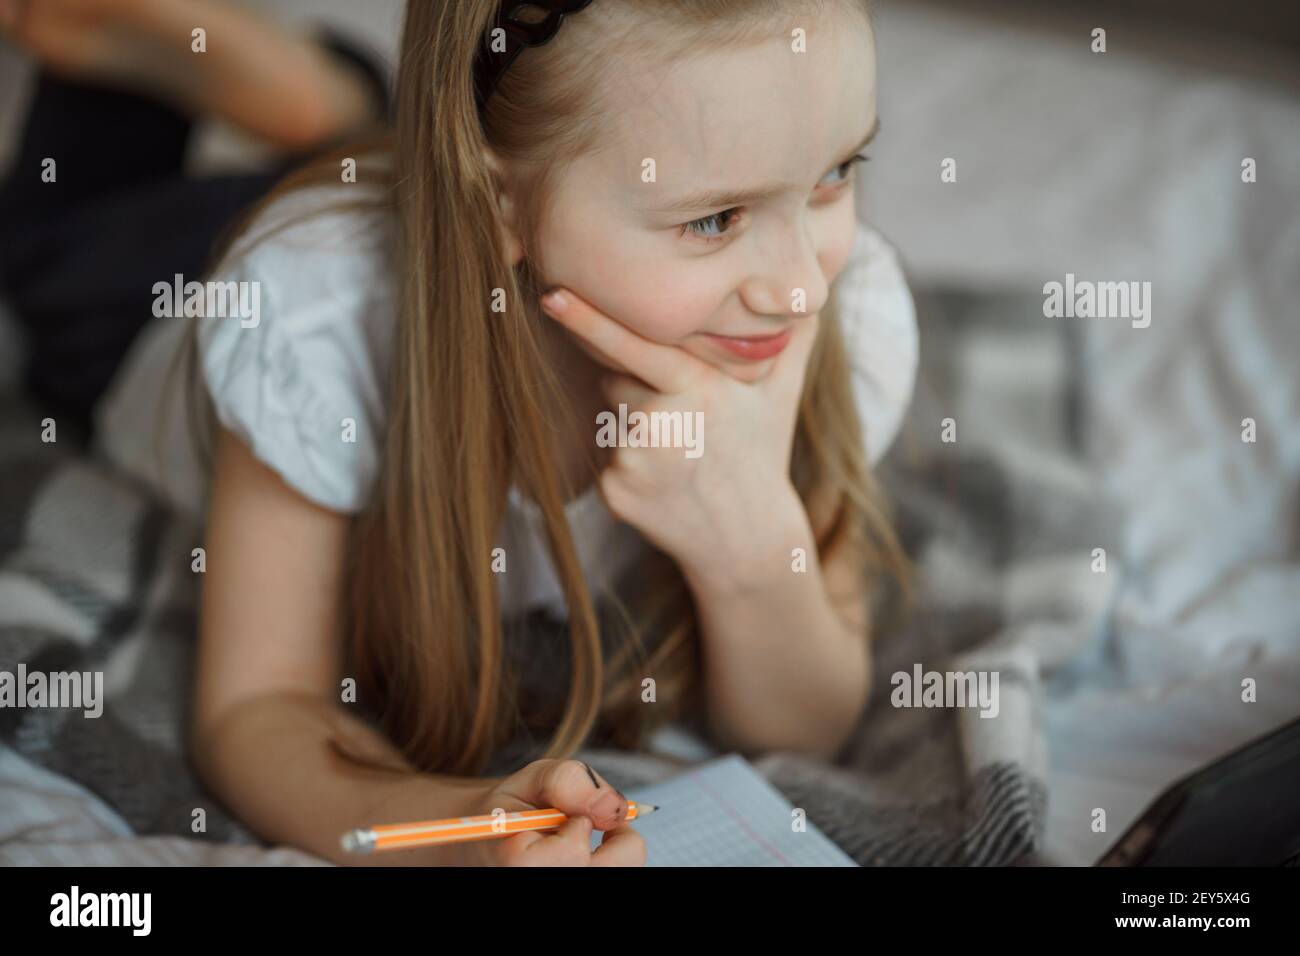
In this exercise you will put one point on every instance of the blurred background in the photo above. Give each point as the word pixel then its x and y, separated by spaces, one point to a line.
pixel 1116 166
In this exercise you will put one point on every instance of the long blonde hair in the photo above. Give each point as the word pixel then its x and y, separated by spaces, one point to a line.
pixel 469 385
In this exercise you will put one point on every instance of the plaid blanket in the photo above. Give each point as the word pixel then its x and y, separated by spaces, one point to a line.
pixel 95 576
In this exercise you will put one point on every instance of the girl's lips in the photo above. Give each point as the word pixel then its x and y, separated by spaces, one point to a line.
pixel 753 348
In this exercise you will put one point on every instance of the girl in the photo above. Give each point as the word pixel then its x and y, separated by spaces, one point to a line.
pixel 407 498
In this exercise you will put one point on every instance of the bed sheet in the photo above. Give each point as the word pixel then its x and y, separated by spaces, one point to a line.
pixel 1118 749
pixel 46 819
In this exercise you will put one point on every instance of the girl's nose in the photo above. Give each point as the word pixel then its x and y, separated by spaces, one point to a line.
pixel 786 278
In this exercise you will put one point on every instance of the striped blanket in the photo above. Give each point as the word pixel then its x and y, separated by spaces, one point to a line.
pixel 95 575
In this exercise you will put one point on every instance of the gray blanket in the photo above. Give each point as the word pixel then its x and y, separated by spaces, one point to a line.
pixel 95 576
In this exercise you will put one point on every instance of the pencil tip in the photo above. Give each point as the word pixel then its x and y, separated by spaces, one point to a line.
pixel 643 808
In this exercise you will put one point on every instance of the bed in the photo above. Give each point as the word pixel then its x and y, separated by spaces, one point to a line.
pixel 1074 435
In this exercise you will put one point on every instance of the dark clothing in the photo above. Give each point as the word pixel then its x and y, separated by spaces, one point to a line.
pixel 79 256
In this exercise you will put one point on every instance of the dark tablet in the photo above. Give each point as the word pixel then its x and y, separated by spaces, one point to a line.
pixel 1241 810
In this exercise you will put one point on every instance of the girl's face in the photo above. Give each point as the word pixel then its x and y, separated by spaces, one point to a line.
pixel 749 196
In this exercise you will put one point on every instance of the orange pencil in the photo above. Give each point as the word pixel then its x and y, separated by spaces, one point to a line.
pixel 401 836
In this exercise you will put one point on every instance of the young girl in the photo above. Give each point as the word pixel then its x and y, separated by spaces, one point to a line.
pixel 428 583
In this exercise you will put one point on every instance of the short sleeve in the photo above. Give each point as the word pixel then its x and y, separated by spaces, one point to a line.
pixel 296 371
pixel 881 337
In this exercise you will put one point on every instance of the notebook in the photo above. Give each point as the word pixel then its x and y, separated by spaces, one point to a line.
pixel 723 813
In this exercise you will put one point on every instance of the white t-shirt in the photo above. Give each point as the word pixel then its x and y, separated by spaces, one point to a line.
pixel 321 352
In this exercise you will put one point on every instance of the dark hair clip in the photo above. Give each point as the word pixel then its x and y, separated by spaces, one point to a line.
pixel 490 64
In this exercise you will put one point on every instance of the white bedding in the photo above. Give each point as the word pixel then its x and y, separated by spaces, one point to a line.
pixel 47 820
pixel 1123 166
pixel 1117 749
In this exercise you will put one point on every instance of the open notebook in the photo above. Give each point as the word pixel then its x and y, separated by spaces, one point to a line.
pixel 723 813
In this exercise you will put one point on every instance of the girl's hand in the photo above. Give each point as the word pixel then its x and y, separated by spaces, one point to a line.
pixel 570 786
pixel 707 512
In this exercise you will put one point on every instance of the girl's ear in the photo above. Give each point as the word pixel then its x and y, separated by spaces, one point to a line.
pixel 505 206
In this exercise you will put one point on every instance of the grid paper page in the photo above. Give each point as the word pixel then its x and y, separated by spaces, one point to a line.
pixel 723 813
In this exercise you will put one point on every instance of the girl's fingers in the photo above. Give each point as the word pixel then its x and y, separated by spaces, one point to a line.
pixel 620 847
pixel 521 843
pixel 624 389
pixel 573 788
pixel 663 367
pixel 570 845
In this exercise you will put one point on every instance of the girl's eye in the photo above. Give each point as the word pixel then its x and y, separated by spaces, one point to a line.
pixel 843 169
pixel 712 228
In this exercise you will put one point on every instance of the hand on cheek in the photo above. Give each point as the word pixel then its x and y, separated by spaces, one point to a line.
pixel 589 347
pixel 700 501
pixel 693 345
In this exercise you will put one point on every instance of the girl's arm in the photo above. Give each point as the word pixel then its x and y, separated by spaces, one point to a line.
pixel 782 669
pixel 786 652
pixel 267 700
